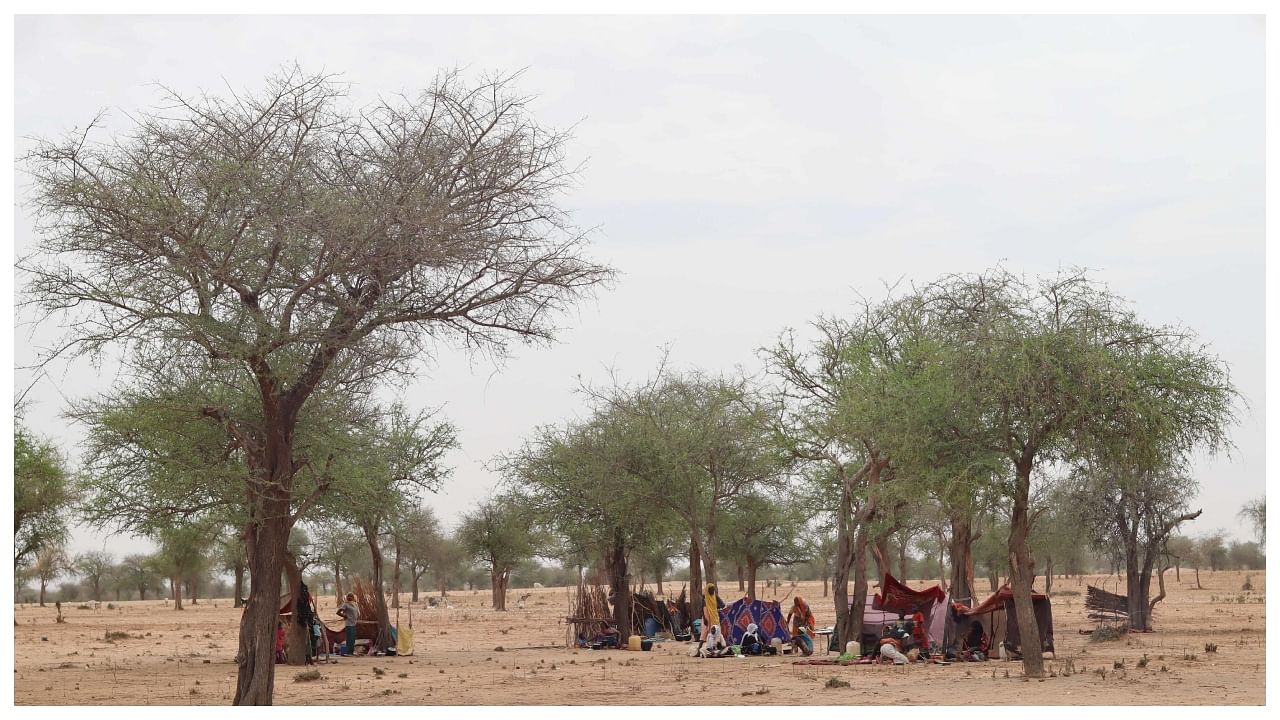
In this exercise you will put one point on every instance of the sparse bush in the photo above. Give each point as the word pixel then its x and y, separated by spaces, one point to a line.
pixel 1248 583
pixel 1143 662
pixel 1210 648
pixel 835 682
pixel 1117 665
pixel 307 676
pixel 1107 633
pixel 379 671
pixel 114 635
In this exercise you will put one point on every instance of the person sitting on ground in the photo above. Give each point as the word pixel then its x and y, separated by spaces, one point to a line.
pixel 351 614
pixel 891 647
pixel 716 646
pixel 751 643
pixel 975 643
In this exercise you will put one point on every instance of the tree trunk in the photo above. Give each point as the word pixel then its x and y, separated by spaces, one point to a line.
pixel 1198 587
pixel 861 585
pixel 1022 574
pixel 498 588
pixel 43 584
pixel 657 572
pixel 742 582
pixel 1048 575
pixel 695 580
pixel 880 553
pixel 195 590
pixel 295 636
pixel 961 551
pixel 266 542
pixel 902 559
pixel 337 582
pixel 751 579
pixel 239 589
pixel 844 560
pixel 416 574
pixel 620 588
pixel 709 561
pixel 383 638
pixel 176 584
pixel 395 579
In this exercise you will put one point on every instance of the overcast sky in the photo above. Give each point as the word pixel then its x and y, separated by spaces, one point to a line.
pixel 747 174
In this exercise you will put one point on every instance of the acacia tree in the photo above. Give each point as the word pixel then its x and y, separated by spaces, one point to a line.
pixel 499 533
pixel 827 418
pixel 762 530
pixel 417 530
pixel 50 562
pixel 1255 512
pixel 393 460
pixel 140 572
pixel 95 568
pixel 285 238
pixel 708 440
pixel 183 551
pixel 577 480
pixel 335 543
pixel 1057 371
pixel 42 493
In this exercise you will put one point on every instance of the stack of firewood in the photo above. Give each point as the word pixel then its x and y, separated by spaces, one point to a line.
pixel 1105 605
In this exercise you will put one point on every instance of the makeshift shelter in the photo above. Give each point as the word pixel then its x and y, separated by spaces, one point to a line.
pixel 999 621
pixel 767 614
pixel 896 601
pixel 649 613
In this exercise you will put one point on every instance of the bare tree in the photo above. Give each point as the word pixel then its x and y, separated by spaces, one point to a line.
pixel 299 243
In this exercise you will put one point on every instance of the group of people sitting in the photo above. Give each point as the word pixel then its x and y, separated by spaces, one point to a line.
pixel 712 642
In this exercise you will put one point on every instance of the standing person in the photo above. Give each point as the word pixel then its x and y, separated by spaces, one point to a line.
pixel 801 622
pixel 304 613
pixel 351 614
pixel 710 615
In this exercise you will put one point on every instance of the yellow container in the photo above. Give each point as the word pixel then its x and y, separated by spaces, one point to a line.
pixel 633 642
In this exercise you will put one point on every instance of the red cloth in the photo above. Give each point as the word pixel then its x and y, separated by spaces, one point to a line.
pixel 280 640
pixel 896 597
pixel 993 603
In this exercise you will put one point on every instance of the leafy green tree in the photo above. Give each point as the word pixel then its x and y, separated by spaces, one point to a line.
pixel 42 494
pixel 50 563
pixel 1060 370
pixel 95 568
pixel 335 544
pixel 141 572
pixel 499 534
pixel 707 440
pixel 183 552
pixel 578 481
pixel 292 242
pixel 416 531
pixel 1212 550
pixel 1180 549
pixel 447 562
pixel 393 460
pixel 762 530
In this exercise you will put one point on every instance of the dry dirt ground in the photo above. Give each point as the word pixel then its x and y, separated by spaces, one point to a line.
pixel 175 658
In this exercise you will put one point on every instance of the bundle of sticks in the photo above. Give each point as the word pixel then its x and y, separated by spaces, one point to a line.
pixel 1105 605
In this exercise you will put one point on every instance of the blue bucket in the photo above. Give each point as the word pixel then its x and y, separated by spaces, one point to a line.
pixel 697 628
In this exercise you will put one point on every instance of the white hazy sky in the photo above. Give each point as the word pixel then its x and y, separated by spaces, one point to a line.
pixel 747 174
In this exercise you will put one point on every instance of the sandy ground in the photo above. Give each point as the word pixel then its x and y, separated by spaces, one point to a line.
pixel 185 657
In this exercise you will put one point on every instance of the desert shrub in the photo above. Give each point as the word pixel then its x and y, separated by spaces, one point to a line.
pixel 307 676
pixel 835 682
pixel 114 635
pixel 1107 633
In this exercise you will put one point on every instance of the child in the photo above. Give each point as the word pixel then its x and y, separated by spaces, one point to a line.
pixel 280 657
